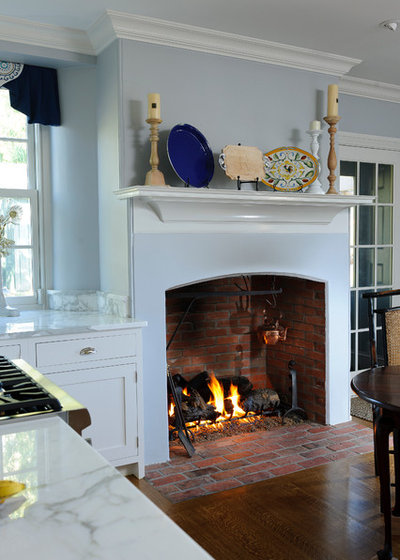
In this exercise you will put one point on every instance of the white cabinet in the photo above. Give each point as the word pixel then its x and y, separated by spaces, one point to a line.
pixel 11 351
pixel 109 393
pixel 103 371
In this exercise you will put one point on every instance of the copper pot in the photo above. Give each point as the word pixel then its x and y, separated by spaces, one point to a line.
pixel 272 336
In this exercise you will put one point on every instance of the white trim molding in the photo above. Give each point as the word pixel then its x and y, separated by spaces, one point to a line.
pixel 356 140
pixel 33 33
pixel 114 25
pixel 370 89
pixel 188 206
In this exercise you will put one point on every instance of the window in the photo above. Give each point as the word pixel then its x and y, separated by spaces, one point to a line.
pixel 373 238
pixel 18 185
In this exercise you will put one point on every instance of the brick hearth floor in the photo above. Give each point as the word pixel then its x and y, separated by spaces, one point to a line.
pixel 243 459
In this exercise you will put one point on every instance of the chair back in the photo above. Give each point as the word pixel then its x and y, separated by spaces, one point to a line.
pixel 392 336
pixel 390 328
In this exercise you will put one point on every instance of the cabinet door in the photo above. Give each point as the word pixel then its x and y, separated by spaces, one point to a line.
pixel 109 394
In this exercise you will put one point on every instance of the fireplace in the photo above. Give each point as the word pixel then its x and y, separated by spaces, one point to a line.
pixel 181 236
pixel 212 328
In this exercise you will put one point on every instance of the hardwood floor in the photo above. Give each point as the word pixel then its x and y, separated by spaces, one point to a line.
pixel 330 512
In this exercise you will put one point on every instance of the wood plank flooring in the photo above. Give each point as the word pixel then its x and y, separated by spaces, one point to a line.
pixel 329 512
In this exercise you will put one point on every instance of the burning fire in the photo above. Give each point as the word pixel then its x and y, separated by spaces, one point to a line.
pixel 234 396
pixel 218 400
pixel 171 410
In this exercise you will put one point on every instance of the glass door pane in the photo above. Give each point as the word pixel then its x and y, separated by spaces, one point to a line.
pixel 385 183
pixel 371 244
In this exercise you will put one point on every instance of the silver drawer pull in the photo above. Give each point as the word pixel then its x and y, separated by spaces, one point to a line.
pixel 87 350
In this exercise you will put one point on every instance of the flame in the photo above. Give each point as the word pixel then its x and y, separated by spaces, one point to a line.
pixel 218 401
pixel 234 397
pixel 218 394
pixel 171 410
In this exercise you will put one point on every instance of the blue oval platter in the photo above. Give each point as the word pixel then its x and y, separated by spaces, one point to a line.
pixel 190 155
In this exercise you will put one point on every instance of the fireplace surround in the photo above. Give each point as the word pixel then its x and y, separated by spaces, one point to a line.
pixel 181 236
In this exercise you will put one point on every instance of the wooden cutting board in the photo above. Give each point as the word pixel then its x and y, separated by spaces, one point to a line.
pixel 243 162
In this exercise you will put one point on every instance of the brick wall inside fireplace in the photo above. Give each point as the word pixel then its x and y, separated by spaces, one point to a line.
pixel 220 334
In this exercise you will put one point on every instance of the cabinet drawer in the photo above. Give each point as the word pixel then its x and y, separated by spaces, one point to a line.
pixel 85 350
pixel 12 351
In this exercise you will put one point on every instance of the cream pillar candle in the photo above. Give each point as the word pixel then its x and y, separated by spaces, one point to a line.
pixel 315 125
pixel 333 101
pixel 154 107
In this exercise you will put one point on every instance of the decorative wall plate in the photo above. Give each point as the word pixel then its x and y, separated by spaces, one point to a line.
pixel 242 162
pixel 289 169
pixel 190 155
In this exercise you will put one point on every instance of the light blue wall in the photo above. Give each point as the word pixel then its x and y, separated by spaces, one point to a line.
pixel 228 100
pixel 113 233
pixel 369 116
pixel 74 183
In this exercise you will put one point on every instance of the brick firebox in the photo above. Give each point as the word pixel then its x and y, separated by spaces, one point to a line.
pixel 220 334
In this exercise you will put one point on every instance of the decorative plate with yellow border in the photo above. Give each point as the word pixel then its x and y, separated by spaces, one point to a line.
pixel 289 169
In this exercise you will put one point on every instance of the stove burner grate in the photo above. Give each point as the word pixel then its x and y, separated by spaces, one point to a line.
pixel 20 394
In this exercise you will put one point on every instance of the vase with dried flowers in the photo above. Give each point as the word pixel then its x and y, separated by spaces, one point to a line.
pixel 12 216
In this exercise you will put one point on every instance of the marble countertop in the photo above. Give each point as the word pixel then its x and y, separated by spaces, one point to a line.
pixel 76 506
pixel 45 322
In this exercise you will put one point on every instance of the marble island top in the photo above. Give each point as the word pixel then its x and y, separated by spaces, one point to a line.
pixel 75 505
pixel 39 323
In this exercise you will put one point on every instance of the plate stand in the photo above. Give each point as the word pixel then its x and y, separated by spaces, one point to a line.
pixel 239 183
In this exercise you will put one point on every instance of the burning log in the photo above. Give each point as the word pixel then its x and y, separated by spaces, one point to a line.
pixel 201 382
pixel 195 409
pixel 242 383
pixel 261 401
pixel 207 398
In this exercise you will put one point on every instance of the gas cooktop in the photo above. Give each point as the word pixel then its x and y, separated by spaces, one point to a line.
pixel 21 394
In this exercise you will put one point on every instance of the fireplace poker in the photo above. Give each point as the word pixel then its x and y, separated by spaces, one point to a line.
pixel 180 425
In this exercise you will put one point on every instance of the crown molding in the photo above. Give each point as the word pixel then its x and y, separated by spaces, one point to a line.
pixel 32 33
pixel 119 25
pixel 368 88
pixel 374 142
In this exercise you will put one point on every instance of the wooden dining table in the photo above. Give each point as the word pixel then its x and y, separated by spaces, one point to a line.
pixel 381 387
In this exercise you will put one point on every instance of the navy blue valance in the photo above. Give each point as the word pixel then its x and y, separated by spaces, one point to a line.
pixel 35 93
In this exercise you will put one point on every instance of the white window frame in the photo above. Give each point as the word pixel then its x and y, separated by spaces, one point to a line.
pixel 38 141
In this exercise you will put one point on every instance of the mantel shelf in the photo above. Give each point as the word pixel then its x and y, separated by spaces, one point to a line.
pixel 179 204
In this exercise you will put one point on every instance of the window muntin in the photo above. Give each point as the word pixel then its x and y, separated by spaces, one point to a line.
pixel 18 186
pixel 371 245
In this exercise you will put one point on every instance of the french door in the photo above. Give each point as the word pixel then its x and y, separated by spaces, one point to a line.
pixel 374 236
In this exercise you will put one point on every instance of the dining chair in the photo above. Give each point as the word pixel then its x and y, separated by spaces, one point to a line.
pixel 390 321
pixel 386 353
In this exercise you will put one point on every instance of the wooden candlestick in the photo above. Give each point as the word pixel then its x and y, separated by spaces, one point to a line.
pixel 332 162
pixel 154 176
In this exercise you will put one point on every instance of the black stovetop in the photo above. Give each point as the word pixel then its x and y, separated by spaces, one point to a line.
pixel 20 394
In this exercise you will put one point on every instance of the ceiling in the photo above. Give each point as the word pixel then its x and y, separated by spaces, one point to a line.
pixel 344 27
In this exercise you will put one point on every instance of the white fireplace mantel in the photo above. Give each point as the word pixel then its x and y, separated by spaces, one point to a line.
pixel 179 204
pixel 180 236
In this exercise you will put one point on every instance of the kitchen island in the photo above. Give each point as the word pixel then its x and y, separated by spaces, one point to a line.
pixel 76 505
